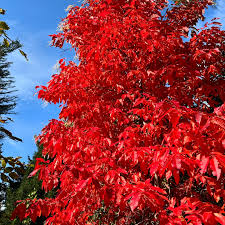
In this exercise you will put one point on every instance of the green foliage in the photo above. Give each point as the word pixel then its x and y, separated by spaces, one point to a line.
pixel 2 11
pixel 26 188
pixel 6 40
pixel 10 168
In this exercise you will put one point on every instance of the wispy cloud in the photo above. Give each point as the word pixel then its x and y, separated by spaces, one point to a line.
pixel 11 142
pixel 34 72
pixel 44 104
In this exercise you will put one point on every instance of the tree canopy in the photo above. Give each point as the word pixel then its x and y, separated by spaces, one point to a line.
pixel 140 137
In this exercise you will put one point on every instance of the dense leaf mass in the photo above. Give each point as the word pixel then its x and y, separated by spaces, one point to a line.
pixel 140 138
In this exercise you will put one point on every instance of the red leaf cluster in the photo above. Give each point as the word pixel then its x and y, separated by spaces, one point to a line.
pixel 141 135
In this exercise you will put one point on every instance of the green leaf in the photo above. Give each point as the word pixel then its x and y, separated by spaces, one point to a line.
pixel 11 163
pixel 2 11
pixel 8 169
pixel 14 175
pixel 20 170
pixel 18 157
pixel 4 177
pixel 3 163
pixel 33 194
pixel 4 25
pixel 31 165
pixel 6 42
pixel 23 54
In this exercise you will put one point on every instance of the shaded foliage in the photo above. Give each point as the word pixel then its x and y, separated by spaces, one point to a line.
pixel 10 168
pixel 7 88
pixel 22 189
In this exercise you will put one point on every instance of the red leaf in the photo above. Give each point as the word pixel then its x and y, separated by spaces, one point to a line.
pixel 223 143
pixel 135 200
pixel 219 121
pixel 134 112
pixel 82 184
pixel 168 174
pixel 215 167
pixel 34 172
pixel 204 164
pixel 220 157
pixel 220 218
pixel 19 211
pixel 176 175
pixel 198 117
pixel 178 163
pixel 60 61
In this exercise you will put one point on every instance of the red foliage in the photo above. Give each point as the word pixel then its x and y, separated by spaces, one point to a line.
pixel 141 135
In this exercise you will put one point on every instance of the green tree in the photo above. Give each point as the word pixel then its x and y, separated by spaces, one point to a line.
pixel 4 27
pixel 10 168
pixel 7 103
pixel 24 188
pixel 7 100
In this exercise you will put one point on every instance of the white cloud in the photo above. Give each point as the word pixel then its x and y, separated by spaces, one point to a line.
pixel 37 71
pixel 44 104
pixel 11 142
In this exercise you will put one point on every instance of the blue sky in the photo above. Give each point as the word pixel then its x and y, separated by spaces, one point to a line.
pixel 31 22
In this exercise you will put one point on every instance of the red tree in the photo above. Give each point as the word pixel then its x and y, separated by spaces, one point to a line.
pixel 140 138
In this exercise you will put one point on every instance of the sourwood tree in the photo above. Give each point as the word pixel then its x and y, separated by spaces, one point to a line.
pixel 141 134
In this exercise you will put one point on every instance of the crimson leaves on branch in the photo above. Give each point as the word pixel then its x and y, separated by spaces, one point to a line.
pixel 141 135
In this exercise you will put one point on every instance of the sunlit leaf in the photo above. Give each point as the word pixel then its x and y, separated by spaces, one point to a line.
pixel 6 42
pixel 4 25
pixel 23 54
pixel 135 200
pixel 3 163
pixel 2 11
pixel 11 163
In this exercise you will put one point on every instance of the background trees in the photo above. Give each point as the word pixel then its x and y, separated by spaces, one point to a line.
pixel 10 168
pixel 140 139
pixel 23 188
pixel 7 100
pixel 3 34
